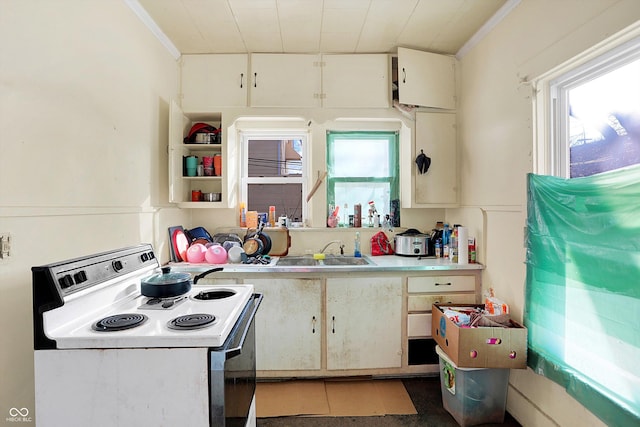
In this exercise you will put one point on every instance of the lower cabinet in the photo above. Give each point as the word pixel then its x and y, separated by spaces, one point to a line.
pixel 288 328
pixel 422 293
pixel 364 317
pixel 352 325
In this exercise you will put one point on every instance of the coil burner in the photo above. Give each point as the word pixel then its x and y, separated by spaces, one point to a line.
pixel 119 322
pixel 192 321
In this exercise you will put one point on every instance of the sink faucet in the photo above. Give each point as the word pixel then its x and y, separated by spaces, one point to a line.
pixel 334 241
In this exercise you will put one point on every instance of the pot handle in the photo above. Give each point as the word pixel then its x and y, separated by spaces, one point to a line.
pixel 206 273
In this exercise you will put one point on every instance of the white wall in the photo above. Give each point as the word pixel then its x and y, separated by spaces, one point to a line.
pixel 495 125
pixel 84 95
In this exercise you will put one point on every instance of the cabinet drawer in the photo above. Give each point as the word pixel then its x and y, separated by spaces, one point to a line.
pixel 424 302
pixel 442 284
pixel 419 325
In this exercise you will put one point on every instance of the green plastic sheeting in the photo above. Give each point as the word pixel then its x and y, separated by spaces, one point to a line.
pixel 582 305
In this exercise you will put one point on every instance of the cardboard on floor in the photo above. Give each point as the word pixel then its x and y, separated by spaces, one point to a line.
pixel 337 398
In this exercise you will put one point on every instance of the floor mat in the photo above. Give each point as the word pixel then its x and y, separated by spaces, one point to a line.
pixel 337 398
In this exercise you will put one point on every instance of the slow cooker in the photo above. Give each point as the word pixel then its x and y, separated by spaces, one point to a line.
pixel 411 243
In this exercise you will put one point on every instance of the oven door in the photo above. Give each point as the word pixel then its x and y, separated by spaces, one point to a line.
pixel 232 372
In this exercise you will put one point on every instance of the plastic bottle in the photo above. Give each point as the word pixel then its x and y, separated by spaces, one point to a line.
pixel 345 216
pixel 472 250
pixel 356 245
pixel 453 245
pixel 243 215
pixel 445 241
pixel 272 216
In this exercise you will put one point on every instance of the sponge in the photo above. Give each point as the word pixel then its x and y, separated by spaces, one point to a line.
pixel 318 256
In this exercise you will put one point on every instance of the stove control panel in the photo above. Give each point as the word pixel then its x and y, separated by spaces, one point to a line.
pixel 74 275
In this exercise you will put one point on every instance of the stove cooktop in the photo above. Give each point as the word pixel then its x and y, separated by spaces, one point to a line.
pixel 153 328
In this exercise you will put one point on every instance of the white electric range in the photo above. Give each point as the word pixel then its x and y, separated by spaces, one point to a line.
pixel 106 355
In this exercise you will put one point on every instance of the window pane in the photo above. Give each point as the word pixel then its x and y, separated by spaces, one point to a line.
pixel 356 158
pixel 362 192
pixel 287 198
pixel 604 127
pixel 274 157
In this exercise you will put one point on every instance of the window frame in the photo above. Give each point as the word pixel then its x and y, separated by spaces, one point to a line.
pixel 551 157
pixel 271 134
pixel 393 138
pixel 550 103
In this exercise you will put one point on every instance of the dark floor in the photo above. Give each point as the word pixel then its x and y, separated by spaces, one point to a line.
pixel 426 397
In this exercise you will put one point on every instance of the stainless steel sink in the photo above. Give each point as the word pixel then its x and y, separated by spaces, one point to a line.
pixel 330 260
pixel 344 260
pixel 296 261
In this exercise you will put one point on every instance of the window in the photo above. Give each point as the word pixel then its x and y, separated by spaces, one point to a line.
pixel 362 168
pixel 583 236
pixel 273 172
pixel 598 114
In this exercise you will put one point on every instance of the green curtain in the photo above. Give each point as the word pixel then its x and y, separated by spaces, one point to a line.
pixel 582 305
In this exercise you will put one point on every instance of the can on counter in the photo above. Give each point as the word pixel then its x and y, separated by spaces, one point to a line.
pixel 357 215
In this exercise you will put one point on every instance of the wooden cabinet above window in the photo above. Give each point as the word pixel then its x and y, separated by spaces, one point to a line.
pixel 285 80
pixel 355 81
pixel 425 79
pixel 213 81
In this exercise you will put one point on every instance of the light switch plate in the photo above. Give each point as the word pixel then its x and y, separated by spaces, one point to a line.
pixel 5 245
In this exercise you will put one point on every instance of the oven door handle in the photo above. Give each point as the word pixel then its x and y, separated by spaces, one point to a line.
pixel 233 352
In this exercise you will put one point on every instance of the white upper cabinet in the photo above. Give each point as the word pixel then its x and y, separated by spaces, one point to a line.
pixel 213 81
pixel 436 136
pixel 426 79
pixel 285 80
pixel 360 80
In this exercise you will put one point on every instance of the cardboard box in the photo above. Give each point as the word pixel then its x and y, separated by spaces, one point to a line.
pixel 482 347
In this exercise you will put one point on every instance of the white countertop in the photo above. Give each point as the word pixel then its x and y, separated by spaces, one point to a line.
pixel 376 264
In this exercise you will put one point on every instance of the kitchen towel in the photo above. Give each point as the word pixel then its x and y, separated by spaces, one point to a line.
pixel 463 245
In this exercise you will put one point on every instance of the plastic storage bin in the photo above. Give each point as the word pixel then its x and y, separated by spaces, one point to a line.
pixel 473 395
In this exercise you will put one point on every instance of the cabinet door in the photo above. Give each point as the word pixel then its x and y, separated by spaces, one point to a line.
pixel 355 81
pixel 426 79
pixel 213 81
pixel 284 80
pixel 288 328
pixel 436 136
pixel 364 323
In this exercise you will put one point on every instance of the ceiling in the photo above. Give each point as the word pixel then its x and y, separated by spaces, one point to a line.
pixel 319 26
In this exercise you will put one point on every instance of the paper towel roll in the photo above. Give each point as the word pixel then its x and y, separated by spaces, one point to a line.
pixel 463 245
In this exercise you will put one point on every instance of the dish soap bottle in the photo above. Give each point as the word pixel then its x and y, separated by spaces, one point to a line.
pixel 356 251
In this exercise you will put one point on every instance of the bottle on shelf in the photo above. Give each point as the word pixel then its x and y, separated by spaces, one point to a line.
pixel 453 245
pixel 272 216
pixel 243 215
pixel 445 241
